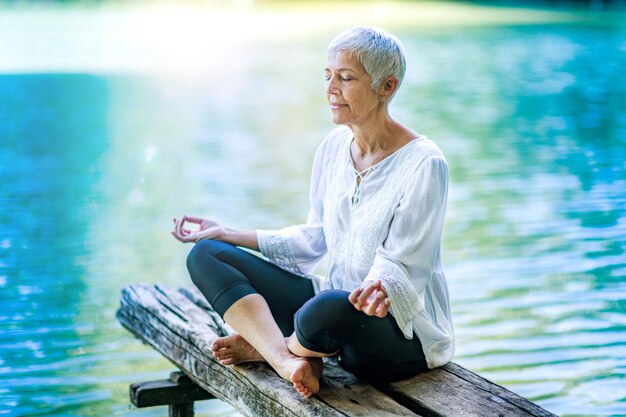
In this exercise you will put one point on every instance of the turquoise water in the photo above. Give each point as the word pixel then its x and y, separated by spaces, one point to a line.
pixel 93 166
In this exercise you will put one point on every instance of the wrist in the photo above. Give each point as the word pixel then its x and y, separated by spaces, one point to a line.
pixel 228 236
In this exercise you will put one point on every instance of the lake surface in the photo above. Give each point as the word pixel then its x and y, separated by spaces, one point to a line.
pixel 94 164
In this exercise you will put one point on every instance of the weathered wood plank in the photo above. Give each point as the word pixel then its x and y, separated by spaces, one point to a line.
pixel 454 391
pixel 181 326
pixel 497 390
pixel 152 313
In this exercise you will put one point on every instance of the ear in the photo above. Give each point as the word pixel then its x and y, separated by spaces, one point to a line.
pixel 388 87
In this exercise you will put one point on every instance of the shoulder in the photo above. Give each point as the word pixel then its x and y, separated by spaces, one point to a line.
pixel 337 138
pixel 426 153
pixel 332 145
pixel 425 164
pixel 428 149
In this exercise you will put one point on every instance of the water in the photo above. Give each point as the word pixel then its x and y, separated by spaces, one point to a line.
pixel 94 165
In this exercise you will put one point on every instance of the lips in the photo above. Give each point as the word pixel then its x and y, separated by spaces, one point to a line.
pixel 337 106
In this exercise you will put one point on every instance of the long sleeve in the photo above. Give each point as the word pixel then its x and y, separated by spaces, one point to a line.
pixel 407 260
pixel 300 248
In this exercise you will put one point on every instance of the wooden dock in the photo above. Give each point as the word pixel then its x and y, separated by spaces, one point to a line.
pixel 181 325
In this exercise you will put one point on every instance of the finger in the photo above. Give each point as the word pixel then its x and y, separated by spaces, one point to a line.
pixel 354 295
pixel 357 297
pixel 182 238
pixel 176 236
pixel 207 223
pixel 191 237
pixel 194 237
pixel 374 303
pixel 179 227
pixel 365 295
pixel 191 219
pixel 182 222
pixel 176 223
pixel 185 238
pixel 384 308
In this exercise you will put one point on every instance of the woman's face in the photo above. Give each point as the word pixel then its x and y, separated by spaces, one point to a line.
pixel 349 91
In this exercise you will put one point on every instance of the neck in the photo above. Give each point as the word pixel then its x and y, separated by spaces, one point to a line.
pixel 379 135
pixel 373 136
pixel 377 138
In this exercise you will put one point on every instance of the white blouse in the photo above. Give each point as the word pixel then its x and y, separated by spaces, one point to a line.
pixel 386 227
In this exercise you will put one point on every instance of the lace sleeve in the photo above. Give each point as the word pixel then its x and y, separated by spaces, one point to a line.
pixel 297 249
pixel 405 300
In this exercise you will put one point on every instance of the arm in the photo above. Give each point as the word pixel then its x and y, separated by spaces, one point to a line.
pixel 245 238
pixel 296 248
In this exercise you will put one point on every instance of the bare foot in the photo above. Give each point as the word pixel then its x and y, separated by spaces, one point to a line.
pixel 303 373
pixel 233 350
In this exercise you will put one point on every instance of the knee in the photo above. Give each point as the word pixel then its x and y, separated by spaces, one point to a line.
pixel 201 256
pixel 326 311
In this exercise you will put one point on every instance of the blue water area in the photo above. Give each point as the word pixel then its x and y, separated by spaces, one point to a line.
pixel 532 121
pixel 53 136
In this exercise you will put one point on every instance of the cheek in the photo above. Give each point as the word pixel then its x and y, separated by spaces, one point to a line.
pixel 361 93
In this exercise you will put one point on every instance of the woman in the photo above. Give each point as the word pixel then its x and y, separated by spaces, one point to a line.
pixel 378 198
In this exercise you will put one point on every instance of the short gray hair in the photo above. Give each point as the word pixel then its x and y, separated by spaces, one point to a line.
pixel 380 53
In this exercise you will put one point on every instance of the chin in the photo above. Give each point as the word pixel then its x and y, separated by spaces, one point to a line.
pixel 339 120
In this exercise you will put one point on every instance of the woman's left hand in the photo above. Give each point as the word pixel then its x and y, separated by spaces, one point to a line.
pixel 371 298
pixel 206 229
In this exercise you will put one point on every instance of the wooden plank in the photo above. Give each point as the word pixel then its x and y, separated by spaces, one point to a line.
pixel 454 391
pixel 497 390
pixel 181 326
pixel 178 389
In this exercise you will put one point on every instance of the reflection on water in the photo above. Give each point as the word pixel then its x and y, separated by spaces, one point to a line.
pixel 94 167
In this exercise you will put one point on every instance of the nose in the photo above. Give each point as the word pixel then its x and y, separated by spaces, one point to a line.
pixel 331 86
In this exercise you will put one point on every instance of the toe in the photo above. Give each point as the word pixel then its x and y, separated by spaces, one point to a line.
pixel 220 343
pixel 302 390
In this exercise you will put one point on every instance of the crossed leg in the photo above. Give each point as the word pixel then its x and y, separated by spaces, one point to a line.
pixel 261 302
pixel 258 300
pixel 328 324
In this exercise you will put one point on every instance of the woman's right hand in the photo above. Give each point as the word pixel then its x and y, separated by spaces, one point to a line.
pixel 206 229
pixel 371 298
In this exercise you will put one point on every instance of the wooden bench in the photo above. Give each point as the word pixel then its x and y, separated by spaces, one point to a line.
pixel 181 325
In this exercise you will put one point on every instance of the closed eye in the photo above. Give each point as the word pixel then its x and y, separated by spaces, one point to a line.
pixel 327 78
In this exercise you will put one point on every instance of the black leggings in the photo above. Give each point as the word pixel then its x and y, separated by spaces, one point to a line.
pixel 370 347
